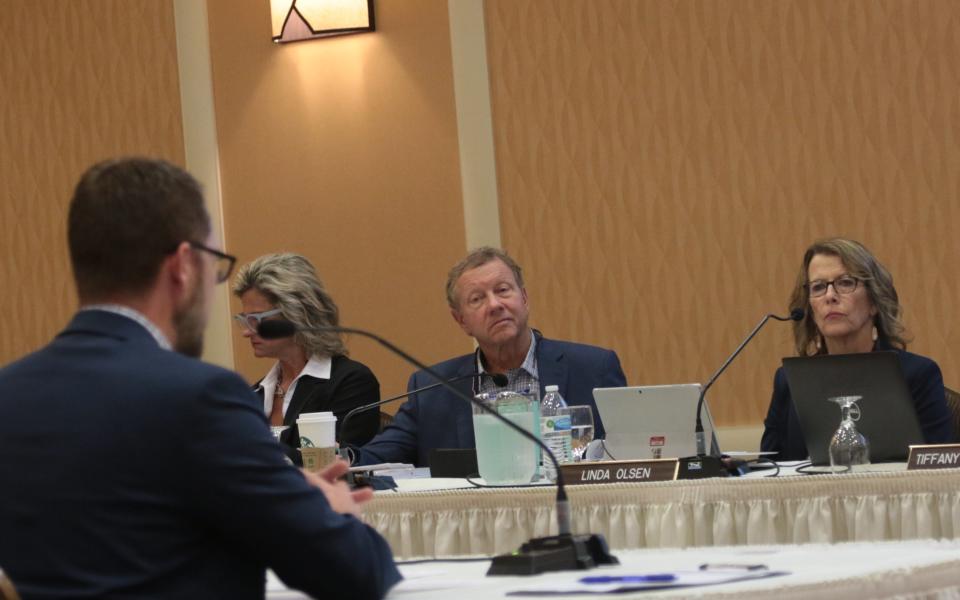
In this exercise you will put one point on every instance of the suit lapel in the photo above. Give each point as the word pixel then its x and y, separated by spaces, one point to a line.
pixel 463 411
pixel 552 369
pixel 307 387
pixel 551 366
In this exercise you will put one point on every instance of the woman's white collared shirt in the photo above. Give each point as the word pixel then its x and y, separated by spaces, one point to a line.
pixel 318 366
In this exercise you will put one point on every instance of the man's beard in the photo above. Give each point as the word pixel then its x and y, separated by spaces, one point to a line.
pixel 189 323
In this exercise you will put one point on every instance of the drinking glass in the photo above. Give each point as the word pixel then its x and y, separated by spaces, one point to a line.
pixel 504 457
pixel 848 446
pixel 581 428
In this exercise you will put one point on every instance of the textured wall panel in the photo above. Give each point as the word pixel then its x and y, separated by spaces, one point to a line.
pixel 662 165
pixel 345 150
pixel 82 80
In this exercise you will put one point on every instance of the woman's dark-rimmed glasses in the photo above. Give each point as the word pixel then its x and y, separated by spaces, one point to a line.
pixel 845 284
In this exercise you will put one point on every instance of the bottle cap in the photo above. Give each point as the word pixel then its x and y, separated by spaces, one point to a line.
pixel 552 388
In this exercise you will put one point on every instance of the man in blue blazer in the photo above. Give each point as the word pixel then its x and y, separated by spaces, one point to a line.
pixel 488 301
pixel 130 469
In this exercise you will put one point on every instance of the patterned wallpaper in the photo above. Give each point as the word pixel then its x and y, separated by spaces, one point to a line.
pixel 345 150
pixel 82 80
pixel 662 165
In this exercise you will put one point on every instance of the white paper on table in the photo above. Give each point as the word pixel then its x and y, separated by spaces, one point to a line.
pixel 428 578
pixel 681 579
pixel 276 590
pixel 380 467
pixel 748 454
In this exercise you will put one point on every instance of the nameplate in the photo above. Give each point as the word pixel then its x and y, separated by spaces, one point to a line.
pixel 934 456
pixel 620 471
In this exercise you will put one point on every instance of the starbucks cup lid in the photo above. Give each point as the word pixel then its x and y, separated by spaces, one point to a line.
pixel 317 417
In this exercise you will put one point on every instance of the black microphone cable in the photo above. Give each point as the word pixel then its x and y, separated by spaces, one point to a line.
pixel 499 380
pixel 796 314
pixel 275 329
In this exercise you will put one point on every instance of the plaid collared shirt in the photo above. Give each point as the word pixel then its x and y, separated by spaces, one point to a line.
pixel 525 378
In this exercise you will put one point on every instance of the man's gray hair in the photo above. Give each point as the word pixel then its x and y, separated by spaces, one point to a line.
pixel 291 284
pixel 477 258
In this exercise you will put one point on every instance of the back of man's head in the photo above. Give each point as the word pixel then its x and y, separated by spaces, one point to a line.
pixel 126 216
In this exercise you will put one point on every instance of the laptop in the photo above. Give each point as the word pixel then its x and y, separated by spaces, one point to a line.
pixel 655 421
pixel 887 415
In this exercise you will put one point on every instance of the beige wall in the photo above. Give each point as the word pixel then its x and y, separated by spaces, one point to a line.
pixel 201 155
pixel 662 165
pixel 659 166
pixel 82 80
pixel 345 150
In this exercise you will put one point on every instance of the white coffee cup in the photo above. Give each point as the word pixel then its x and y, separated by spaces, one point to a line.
pixel 317 430
pixel 318 441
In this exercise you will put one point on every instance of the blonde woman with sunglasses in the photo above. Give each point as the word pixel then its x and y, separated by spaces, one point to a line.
pixel 312 372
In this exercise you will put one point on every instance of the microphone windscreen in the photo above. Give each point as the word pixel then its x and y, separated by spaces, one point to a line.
pixel 796 314
pixel 499 379
pixel 276 329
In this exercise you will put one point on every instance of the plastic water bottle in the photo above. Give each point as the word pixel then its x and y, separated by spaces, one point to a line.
pixel 554 430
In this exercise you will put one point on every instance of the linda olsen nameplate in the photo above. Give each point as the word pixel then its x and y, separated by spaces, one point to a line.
pixel 621 471
pixel 934 456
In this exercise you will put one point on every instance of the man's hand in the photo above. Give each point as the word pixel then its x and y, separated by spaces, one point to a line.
pixel 338 492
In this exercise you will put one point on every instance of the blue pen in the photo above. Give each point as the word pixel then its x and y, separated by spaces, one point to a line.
pixel 656 578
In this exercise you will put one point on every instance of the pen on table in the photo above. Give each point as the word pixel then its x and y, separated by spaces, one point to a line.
pixel 727 566
pixel 655 578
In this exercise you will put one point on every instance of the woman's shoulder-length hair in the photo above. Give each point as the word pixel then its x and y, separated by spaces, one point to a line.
pixel 876 279
pixel 291 283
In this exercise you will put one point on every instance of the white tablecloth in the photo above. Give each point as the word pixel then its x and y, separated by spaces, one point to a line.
pixel 918 569
pixel 713 512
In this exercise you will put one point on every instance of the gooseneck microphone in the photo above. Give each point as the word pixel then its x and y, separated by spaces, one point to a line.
pixel 553 553
pixel 498 378
pixel 795 315
pixel 275 329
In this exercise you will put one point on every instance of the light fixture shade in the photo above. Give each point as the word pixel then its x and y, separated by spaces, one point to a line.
pixel 295 20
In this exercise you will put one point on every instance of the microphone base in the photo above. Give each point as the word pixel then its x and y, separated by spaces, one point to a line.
pixel 555 553
pixel 701 467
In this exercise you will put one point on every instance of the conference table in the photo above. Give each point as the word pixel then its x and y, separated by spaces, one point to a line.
pixel 879 531
pixel 451 518
pixel 848 571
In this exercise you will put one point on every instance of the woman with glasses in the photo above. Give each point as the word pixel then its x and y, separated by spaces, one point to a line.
pixel 312 372
pixel 851 306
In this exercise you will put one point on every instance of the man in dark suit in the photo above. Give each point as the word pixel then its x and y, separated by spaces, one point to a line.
pixel 130 469
pixel 489 302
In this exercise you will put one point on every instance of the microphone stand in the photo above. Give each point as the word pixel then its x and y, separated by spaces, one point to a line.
pixel 367 478
pixel 378 403
pixel 562 552
pixel 703 464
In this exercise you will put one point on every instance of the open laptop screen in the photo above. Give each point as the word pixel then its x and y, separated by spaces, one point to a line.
pixel 887 415
pixel 655 421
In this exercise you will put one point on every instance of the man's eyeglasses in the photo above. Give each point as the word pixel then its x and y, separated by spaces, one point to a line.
pixel 225 261
pixel 251 321
pixel 846 284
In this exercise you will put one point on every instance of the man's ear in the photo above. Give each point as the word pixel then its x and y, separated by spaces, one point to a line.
pixel 179 267
pixel 459 319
